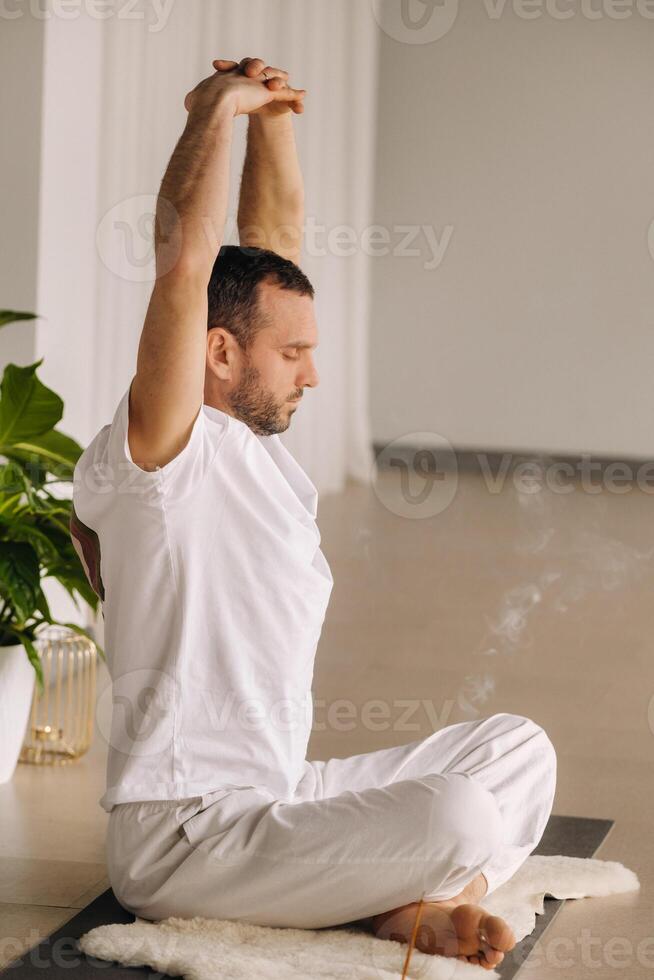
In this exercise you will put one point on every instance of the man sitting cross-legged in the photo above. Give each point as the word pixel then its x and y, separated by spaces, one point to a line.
pixel 197 529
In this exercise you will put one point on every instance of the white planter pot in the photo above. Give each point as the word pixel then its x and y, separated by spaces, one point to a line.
pixel 17 679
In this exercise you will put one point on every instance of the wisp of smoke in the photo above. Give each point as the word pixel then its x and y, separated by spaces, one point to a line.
pixel 588 562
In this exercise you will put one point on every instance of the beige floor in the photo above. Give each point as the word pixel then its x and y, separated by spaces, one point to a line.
pixel 558 585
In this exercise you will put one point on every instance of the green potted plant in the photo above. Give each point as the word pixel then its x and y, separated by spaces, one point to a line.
pixel 35 540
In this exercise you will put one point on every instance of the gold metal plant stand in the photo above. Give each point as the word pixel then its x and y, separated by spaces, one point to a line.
pixel 60 728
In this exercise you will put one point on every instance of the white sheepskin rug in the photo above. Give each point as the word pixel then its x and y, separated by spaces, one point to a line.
pixel 218 949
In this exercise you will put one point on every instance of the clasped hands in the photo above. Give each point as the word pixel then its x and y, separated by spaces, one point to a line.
pixel 250 86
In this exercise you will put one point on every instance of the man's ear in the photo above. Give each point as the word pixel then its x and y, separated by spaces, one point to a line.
pixel 222 353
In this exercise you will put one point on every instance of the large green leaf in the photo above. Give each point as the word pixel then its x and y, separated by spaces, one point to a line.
pixel 19 577
pixel 10 505
pixel 11 316
pixel 16 482
pixel 53 450
pixel 12 530
pixel 42 521
pixel 27 407
pixel 42 605
pixel 12 478
pixel 35 539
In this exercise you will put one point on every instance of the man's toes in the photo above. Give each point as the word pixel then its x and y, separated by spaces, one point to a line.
pixel 469 919
pixel 466 919
pixel 493 956
pixel 500 935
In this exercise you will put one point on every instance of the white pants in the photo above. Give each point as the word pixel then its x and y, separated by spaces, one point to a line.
pixel 361 835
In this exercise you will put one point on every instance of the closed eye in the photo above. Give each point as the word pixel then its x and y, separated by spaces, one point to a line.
pixel 291 357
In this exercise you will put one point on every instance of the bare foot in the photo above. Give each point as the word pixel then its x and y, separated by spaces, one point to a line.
pixel 450 928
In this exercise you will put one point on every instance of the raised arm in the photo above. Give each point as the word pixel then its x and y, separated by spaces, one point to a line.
pixel 271 201
pixel 167 390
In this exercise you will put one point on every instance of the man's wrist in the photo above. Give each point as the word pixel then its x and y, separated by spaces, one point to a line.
pixel 220 113
pixel 273 124
pixel 224 108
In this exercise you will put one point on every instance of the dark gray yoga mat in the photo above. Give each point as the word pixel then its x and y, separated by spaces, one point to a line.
pixel 574 837
pixel 60 956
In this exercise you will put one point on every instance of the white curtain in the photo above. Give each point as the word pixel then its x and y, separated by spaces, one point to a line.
pixel 329 48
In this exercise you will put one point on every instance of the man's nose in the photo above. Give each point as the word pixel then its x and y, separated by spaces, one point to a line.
pixel 309 377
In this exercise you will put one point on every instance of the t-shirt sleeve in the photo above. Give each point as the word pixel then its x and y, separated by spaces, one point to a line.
pixel 175 478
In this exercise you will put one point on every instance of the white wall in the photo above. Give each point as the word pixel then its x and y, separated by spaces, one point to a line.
pixel 67 257
pixel 21 58
pixel 51 69
pixel 533 140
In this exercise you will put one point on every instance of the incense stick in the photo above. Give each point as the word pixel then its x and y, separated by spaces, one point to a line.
pixel 412 940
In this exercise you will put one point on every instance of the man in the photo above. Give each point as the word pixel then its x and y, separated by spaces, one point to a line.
pixel 197 529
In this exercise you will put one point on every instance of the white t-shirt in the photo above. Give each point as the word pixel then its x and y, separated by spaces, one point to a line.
pixel 214 591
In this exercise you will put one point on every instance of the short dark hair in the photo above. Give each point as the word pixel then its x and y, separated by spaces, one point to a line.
pixel 233 288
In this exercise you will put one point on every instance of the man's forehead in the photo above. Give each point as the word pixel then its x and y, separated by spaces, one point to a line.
pixel 290 316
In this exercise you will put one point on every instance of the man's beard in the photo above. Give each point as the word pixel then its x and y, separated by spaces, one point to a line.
pixel 253 404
